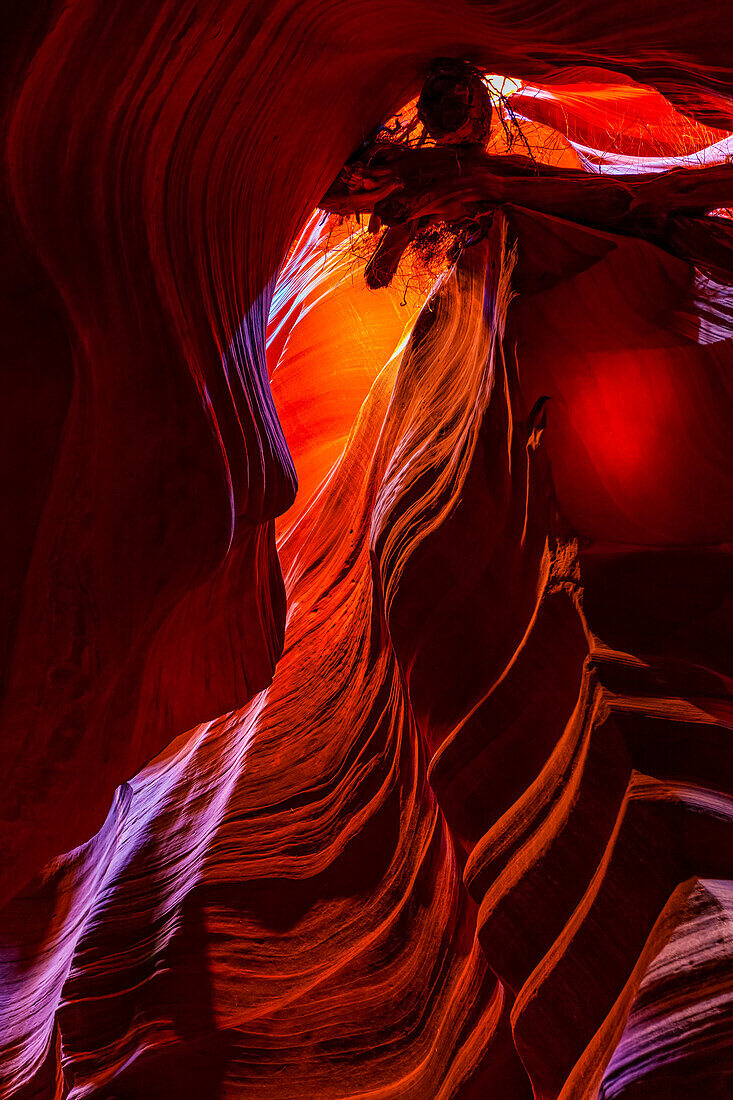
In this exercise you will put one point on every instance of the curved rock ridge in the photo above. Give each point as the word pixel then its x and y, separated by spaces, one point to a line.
pixel 429 794
pixel 588 809
pixel 296 902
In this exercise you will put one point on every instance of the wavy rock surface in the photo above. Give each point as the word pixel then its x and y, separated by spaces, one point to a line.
pixel 431 795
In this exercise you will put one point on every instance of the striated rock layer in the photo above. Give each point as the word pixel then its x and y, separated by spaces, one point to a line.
pixel 421 786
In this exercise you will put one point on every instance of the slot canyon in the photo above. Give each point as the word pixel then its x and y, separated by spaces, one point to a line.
pixel 367 659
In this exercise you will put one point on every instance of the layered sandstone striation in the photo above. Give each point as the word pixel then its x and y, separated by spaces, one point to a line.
pixel 419 786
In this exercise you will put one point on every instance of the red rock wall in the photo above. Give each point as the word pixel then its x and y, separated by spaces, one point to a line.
pixel 430 796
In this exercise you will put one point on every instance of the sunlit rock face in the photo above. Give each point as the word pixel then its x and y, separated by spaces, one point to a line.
pixel 416 782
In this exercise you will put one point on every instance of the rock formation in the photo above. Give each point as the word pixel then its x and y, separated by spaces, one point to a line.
pixel 414 780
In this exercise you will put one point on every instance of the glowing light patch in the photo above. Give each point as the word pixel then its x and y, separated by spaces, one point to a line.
pixel 502 86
